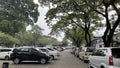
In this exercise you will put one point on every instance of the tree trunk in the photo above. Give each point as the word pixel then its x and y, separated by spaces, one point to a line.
pixel 105 38
pixel 86 38
pixel 89 37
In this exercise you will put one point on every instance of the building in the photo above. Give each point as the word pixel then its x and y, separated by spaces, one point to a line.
pixel 97 42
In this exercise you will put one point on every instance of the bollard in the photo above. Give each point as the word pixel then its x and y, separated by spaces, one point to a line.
pixel 5 65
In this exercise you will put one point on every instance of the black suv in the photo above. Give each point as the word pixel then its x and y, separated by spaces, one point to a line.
pixel 28 54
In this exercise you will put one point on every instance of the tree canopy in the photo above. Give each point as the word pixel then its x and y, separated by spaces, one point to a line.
pixel 12 27
pixel 7 40
pixel 98 9
pixel 15 15
pixel 22 10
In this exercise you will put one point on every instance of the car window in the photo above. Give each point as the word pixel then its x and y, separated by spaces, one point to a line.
pixel 33 50
pixel 16 50
pixel 98 53
pixel 89 50
pixel 5 50
pixel 94 53
pixel 50 49
pixel 24 50
pixel 116 52
pixel 43 50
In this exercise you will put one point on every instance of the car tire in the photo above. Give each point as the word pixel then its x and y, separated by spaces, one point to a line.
pixel 16 61
pixel 90 66
pixel 43 61
pixel 7 57
pixel 102 67
pixel 85 61
pixel 52 57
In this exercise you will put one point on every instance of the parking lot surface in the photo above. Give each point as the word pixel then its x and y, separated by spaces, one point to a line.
pixel 66 60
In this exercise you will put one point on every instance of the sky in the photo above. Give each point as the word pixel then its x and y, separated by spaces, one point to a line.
pixel 42 23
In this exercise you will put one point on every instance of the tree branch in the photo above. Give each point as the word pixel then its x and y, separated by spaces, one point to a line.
pixel 77 24
pixel 99 13
pixel 115 8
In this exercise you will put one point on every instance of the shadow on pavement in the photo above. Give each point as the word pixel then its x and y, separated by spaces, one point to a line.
pixel 33 63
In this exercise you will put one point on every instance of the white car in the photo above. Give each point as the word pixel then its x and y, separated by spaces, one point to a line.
pixel 105 58
pixel 77 52
pixel 85 53
pixel 51 52
pixel 5 53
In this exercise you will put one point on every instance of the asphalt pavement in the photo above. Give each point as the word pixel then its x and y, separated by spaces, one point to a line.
pixel 66 60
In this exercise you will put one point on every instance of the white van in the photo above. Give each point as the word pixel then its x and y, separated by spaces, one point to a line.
pixel 105 58
pixel 5 53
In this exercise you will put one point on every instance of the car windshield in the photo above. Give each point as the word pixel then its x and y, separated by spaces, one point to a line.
pixel 50 49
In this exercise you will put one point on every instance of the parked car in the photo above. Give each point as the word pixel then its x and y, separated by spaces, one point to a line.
pixel 73 50
pixel 42 50
pixel 5 53
pixel 28 54
pixel 54 54
pixel 85 53
pixel 77 50
pixel 59 48
pixel 105 58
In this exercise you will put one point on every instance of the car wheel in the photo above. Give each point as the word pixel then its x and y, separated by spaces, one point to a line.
pixel 90 66
pixel 43 61
pixel 102 67
pixel 7 58
pixel 52 57
pixel 85 61
pixel 16 61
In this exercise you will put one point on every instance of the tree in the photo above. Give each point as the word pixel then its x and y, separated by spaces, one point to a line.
pixel 11 27
pixel 26 38
pixel 36 32
pixel 7 40
pixel 22 10
pixel 15 15
pixel 65 42
pixel 77 13
pixel 47 40
pixel 105 8
pixel 99 7
pixel 76 35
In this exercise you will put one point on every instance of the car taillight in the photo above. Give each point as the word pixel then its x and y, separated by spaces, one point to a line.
pixel 110 60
